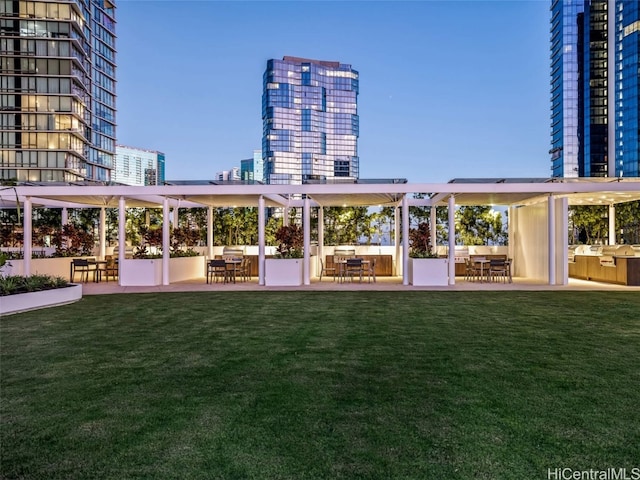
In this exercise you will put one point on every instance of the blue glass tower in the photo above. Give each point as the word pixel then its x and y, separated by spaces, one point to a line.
pixel 627 100
pixel 57 88
pixel 594 88
pixel 310 121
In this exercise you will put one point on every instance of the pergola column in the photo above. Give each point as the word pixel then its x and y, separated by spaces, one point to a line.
pixel 174 217
pixel 306 231
pixel 261 217
pixel 27 239
pixel 612 224
pixel 103 232
pixel 405 240
pixel 396 241
pixel 65 216
pixel 551 239
pixel 122 236
pixel 210 232
pixel 452 239
pixel 166 240
pixel 432 227
pixel 321 232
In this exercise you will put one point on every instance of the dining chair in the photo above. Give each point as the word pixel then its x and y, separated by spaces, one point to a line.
pixel 371 271
pixel 216 270
pixel 498 268
pixel 111 267
pixel 325 269
pixel 471 270
pixel 244 269
pixel 353 267
pixel 80 265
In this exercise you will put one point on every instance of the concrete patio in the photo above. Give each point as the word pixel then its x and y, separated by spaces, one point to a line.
pixel 382 284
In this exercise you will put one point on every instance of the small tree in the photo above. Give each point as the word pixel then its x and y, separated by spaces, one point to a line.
pixel 420 241
pixel 290 240
pixel 72 241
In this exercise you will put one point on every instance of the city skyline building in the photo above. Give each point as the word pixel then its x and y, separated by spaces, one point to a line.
pixel 252 169
pixel 57 87
pixel 310 121
pixel 594 88
pixel 231 175
pixel 137 166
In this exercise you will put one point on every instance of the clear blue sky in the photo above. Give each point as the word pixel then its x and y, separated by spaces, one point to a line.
pixel 447 88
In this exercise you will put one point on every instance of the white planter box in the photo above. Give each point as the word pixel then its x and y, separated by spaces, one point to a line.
pixel 186 268
pixel 33 300
pixel 140 272
pixel 283 272
pixel 54 267
pixel 429 271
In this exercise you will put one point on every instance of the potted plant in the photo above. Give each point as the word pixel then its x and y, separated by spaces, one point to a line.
pixel 425 268
pixel 285 269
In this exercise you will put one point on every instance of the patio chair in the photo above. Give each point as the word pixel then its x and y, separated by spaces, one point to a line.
pixel 217 270
pixel 371 271
pixel 324 269
pixel 110 268
pixel 81 265
pixel 354 267
pixel 471 270
pixel 499 268
pixel 244 269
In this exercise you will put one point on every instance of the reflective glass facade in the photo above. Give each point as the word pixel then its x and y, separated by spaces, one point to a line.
pixel 627 100
pixel 57 88
pixel 310 121
pixel 594 120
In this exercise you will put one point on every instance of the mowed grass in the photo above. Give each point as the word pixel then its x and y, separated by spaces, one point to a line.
pixel 321 385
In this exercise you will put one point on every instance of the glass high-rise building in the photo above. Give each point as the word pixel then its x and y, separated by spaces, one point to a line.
pixel 251 169
pixel 137 166
pixel 57 90
pixel 594 88
pixel 310 121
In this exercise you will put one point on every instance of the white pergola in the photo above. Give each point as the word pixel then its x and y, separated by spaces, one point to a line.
pixel 538 211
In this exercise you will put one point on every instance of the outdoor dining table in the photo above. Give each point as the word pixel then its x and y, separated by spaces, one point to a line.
pixel 482 262
pixel 342 266
pixel 93 266
pixel 232 265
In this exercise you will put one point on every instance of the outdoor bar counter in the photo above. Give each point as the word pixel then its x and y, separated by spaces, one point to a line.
pixel 610 264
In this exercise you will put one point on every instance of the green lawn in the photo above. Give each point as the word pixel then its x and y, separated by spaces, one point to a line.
pixel 321 385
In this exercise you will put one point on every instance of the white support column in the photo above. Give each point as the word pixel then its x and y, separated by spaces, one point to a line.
pixel 563 254
pixel 103 232
pixel 405 240
pixel 452 239
pixel 612 224
pixel 320 234
pixel 285 216
pixel 432 228
pixel 261 217
pixel 27 239
pixel 122 236
pixel 396 241
pixel 65 215
pixel 174 217
pixel 552 239
pixel 166 229
pixel 306 233
pixel 210 232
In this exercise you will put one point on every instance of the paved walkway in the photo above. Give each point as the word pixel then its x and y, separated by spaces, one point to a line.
pixel 383 284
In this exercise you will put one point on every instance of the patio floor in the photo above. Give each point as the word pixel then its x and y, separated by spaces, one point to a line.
pixel 382 284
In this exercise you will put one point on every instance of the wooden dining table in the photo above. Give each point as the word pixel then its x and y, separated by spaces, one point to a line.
pixel 342 266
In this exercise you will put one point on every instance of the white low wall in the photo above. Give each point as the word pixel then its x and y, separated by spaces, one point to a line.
pixel 186 268
pixel 55 267
pixel 23 302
